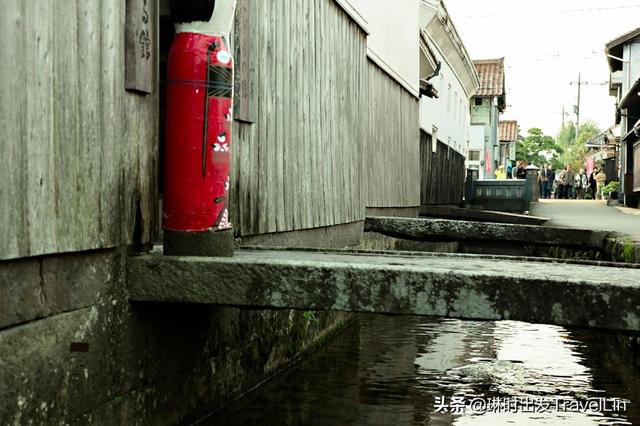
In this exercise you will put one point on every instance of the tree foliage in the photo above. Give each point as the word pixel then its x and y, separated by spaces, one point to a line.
pixel 567 135
pixel 588 131
pixel 576 151
pixel 538 149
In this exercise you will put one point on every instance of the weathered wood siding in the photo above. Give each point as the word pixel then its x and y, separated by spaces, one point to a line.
pixel 78 153
pixel 393 146
pixel 442 173
pixel 300 165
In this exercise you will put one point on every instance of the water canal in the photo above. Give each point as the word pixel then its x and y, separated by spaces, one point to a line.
pixel 419 371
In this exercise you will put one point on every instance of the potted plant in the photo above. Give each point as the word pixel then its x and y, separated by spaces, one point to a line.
pixel 612 190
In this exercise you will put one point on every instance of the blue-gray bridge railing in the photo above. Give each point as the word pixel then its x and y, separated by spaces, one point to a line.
pixel 508 195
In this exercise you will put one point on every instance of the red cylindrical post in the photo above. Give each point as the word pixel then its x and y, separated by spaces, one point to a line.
pixel 198 142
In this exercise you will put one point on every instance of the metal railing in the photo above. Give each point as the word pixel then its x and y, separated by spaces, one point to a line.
pixel 509 195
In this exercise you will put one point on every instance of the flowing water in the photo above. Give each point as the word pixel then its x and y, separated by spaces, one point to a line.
pixel 387 370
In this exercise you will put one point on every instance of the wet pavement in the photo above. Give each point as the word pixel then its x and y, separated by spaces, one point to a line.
pixel 418 371
pixel 588 214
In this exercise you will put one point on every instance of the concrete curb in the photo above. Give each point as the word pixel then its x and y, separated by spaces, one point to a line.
pixel 452 230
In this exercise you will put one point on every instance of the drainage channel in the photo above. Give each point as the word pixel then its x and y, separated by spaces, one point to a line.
pixel 405 370
pixel 386 370
pixel 414 370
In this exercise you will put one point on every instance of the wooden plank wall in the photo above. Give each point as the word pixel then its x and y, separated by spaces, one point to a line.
pixel 300 165
pixel 393 146
pixel 77 152
pixel 442 173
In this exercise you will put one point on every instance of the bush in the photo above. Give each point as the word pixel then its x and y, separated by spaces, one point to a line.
pixel 611 187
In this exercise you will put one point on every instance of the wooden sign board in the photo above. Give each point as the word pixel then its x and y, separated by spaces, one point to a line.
pixel 140 45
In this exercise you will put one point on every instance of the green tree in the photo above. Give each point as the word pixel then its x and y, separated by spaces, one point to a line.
pixel 538 148
pixel 576 153
pixel 567 135
pixel 588 131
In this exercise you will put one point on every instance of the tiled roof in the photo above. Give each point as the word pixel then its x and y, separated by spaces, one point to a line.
pixel 615 48
pixel 508 131
pixel 491 73
pixel 623 38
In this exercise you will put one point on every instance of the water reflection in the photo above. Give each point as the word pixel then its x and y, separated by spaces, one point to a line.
pixel 407 371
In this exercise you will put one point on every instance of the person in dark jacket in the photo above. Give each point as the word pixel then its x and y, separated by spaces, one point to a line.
pixel 593 184
pixel 568 180
pixel 547 176
pixel 521 171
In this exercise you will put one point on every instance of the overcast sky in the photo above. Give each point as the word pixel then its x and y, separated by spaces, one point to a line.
pixel 545 44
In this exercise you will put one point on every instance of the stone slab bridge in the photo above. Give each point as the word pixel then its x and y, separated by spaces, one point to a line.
pixel 578 293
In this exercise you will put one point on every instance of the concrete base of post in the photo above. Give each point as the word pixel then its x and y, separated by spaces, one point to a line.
pixel 209 244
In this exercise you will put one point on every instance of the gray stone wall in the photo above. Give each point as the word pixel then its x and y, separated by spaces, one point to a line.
pixel 73 349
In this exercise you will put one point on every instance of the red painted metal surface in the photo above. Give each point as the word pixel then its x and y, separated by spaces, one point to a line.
pixel 197 149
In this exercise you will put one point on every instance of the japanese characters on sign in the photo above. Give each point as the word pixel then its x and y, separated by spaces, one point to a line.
pixel 139 45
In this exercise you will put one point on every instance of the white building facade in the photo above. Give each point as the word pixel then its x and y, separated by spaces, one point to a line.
pixel 448 69
pixel 623 55
pixel 396 52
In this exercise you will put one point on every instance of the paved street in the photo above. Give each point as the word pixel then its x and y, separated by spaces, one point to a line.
pixel 589 215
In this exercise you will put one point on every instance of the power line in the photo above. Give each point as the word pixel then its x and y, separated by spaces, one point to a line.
pixel 550 58
pixel 558 54
pixel 548 12
pixel 554 83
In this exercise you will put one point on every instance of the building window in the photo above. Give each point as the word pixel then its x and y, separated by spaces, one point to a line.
pixel 478 101
pixel 474 155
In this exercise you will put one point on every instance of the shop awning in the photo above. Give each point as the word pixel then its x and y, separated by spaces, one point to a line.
pixel 634 134
pixel 632 97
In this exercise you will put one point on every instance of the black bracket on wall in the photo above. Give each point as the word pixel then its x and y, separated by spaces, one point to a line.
pixel 191 10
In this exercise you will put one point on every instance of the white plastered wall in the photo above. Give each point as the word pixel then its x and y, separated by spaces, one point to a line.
pixel 393 38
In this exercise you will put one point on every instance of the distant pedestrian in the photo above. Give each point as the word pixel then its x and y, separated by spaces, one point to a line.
pixel 521 171
pixel 514 169
pixel 555 188
pixel 501 173
pixel 601 180
pixel 581 184
pixel 593 184
pixel 547 176
pixel 568 180
pixel 560 184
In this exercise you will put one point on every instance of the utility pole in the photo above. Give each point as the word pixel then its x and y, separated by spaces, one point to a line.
pixel 578 109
